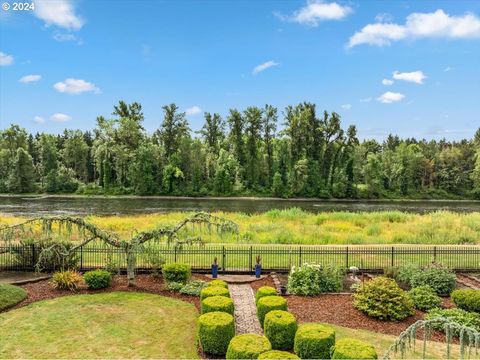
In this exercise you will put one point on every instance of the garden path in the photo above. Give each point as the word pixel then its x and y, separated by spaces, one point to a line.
pixel 246 320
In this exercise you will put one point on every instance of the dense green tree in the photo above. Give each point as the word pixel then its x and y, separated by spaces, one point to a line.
pixel 21 178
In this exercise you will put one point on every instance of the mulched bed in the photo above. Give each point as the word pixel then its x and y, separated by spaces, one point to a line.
pixel 42 290
pixel 338 309
pixel 266 281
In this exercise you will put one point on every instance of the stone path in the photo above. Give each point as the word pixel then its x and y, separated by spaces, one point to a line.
pixel 246 320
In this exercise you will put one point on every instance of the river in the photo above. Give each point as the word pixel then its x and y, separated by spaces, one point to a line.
pixel 57 205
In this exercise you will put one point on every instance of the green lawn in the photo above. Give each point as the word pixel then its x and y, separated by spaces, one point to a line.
pixel 109 325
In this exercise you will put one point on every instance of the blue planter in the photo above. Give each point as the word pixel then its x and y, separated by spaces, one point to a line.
pixel 214 271
pixel 258 270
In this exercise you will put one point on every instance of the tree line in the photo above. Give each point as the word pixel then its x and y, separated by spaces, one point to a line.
pixel 244 153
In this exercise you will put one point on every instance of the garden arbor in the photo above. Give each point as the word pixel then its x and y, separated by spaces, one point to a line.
pixel 67 234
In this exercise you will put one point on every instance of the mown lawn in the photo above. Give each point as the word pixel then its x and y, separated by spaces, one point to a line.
pixel 109 325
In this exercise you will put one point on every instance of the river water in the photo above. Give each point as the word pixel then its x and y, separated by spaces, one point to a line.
pixel 36 206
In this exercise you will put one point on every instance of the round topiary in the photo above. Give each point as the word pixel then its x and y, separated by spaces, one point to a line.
pixel 217 303
pixel 347 348
pixel 269 303
pixel 97 279
pixel 265 291
pixel 10 295
pixel 280 328
pixel 314 341
pixel 213 291
pixel 425 298
pixel 218 282
pixel 175 272
pixel 247 346
pixel 278 355
pixel 215 330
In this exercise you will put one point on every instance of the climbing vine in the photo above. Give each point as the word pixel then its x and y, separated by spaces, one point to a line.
pixel 86 232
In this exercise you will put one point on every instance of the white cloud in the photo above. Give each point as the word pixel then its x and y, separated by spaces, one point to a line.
pixel 62 37
pixel 30 78
pixel 384 17
pixel 5 59
pixel 316 11
pixel 75 86
pixel 448 68
pixel 365 100
pixel 58 12
pixel 390 97
pixel 419 25
pixel 194 110
pixel 39 119
pixel 259 68
pixel 59 117
pixel 387 82
pixel 347 106
pixel 414 76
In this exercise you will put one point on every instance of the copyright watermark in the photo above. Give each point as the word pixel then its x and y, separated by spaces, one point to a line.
pixel 5 6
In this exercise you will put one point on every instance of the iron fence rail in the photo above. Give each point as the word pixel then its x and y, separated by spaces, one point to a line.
pixel 240 258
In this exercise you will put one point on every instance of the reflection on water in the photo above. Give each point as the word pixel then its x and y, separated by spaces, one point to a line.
pixel 117 206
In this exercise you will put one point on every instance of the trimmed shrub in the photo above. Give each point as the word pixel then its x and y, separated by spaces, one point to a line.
pixel 265 291
pixel 97 279
pixel 347 348
pixel 215 330
pixel 213 291
pixel 269 303
pixel 218 282
pixel 176 272
pixel 66 280
pixel 193 288
pixel 314 341
pixel 425 298
pixel 383 299
pixel 217 303
pixel 280 328
pixel 277 354
pixel 10 295
pixel 175 286
pixel 459 316
pixel 248 346
pixel 467 299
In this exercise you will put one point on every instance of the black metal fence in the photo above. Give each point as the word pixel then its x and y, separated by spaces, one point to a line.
pixel 240 258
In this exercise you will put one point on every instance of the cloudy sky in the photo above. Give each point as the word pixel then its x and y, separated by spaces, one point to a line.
pixel 411 68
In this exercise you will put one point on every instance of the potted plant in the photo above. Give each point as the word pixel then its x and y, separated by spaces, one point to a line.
pixel 258 266
pixel 215 268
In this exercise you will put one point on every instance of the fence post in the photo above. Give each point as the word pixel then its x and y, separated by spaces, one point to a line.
pixel 434 254
pixel 300 256
pixel 250 264
pixel 346 257
pixel 393 252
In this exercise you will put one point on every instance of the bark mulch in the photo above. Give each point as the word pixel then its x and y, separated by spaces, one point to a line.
pixel 42 290
pixel 266 281
pixel 338 309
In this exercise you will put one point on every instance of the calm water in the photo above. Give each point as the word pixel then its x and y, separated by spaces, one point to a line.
pixel 31 206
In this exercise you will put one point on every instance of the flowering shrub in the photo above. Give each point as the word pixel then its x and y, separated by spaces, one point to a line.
pixel 313 279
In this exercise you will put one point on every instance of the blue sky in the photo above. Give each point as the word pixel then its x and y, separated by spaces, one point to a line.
pixel 66 62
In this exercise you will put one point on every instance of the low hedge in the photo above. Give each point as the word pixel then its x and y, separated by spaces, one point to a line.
pixel 11 295
pixel 176 272
pixel 278 355
pixel 467 299
pixel 280 328
pixel 314 341
pixel 217 303
pixel 347 348
pixel 265 291
pixel 213 291
pixel 248 346
pixel 97 279
pixel 218 282
pixel 269 303
pixel 215 330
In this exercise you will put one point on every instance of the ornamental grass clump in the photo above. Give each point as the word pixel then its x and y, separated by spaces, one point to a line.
pixel 218 282
pixel 277 355
pixel 176 272
pixel 269 303
pixel 11 295
pixel 66 280
pixel 425 298
pixel 97 279
pixel 383 299
pixel 314 341
pixel 217 303
pixel 247 346
pixel 347 348
pixel 467 299
pixel 265 291
pixel 213 291
pixel 215 331
pixel 280 328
